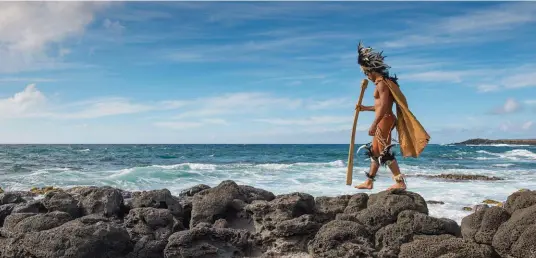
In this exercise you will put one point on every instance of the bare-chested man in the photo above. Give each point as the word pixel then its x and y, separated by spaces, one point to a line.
pixel 413 138
pixel 381 131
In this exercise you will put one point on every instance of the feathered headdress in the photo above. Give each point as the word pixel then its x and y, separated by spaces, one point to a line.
pixel 371 61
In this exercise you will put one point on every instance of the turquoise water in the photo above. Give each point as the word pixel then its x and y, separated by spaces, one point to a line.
pixel 315 169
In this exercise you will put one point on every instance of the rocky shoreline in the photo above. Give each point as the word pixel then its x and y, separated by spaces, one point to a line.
pixel 480 141
pixel 231 220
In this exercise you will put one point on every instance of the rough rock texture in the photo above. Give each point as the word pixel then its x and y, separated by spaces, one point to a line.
pixel 517 236
pixel 327 208
pixel 250 194
pixel 148 248
pixel 341 238
pixel 215 203
pixel 286 223
pixel 383 209
pixel 210 242
pixel 482 225
pixel 11 197
pixel 193 190
pixel 185 199
pixel 156 224
pixel 445 246
pixel 150 228
pixel 160 199
pixel 102 200
pixel 28 222
pixel 410 223
pixel 226 201
pixel 5 210
pixel 357 203
pixel 520 200
pixel 78 238
pixel 62 201
pixel 231 220
pixel 32 206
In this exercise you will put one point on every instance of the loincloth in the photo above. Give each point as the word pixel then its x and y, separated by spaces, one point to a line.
pixel 382 137
pixel 379 150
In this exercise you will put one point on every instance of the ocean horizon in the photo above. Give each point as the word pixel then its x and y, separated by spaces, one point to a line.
pixel 317 169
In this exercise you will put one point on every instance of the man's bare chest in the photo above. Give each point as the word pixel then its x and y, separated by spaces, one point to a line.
pixel 376 94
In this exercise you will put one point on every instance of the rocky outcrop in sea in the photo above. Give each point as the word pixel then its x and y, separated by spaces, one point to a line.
pixel 232 220
pixel 480 141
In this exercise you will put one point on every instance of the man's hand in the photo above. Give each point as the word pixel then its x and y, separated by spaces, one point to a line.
pixel 372 130
pixel 364 108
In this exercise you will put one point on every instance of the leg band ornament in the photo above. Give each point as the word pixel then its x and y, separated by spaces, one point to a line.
pixel 368 153
pixel 370 177
pixel 386 156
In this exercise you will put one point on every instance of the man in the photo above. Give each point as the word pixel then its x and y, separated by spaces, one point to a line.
pixel 412 136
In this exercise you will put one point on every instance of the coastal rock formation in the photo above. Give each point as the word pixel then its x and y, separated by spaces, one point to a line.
pixel 106 200
pixel 480 141
pixel 231 220
pixel 460 177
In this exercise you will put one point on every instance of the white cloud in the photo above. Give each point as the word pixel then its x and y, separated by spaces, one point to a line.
pixel 238 103
pixel 330 103
pixel 487 88
pixel 27 29
pixel 29 102
pixel 178 125
pixel 508 126
pixel 255 102
pixel 183 125
pixel 436 76
pixel 113 26
pixel 520 79
pixel 201 111
pixel 511 105
pixel 106 108
pixel 469 27
pixel 315 120
pixel 26 79
pixel 485 80
pixel 141 15
pixel 527 125
pixel 530 102
pixel 32 103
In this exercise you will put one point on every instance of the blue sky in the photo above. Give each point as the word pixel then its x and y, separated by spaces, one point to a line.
pixel 259 72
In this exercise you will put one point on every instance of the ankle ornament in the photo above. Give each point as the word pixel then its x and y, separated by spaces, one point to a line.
pixel 372 178
pixel 399 179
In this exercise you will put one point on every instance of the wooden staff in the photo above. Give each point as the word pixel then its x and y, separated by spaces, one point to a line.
pixel 349 172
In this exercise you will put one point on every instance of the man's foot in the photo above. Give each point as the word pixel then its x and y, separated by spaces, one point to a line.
pixel 398 186
pixel 400 183
pixel 366 185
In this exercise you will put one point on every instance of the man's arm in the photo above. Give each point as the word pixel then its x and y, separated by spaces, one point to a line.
pixel 366 108
pixel 383 91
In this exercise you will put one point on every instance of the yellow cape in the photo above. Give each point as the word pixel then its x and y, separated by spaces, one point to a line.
pixel 413 138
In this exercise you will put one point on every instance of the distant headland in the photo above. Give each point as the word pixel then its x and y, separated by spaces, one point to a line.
pixel 480 141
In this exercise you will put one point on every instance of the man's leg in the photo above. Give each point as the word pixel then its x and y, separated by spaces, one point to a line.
pixel 369 183
pixel 397 176
pixel 386 156
pixel 373 153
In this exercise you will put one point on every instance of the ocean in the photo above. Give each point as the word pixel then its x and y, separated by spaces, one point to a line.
pixel 319 170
